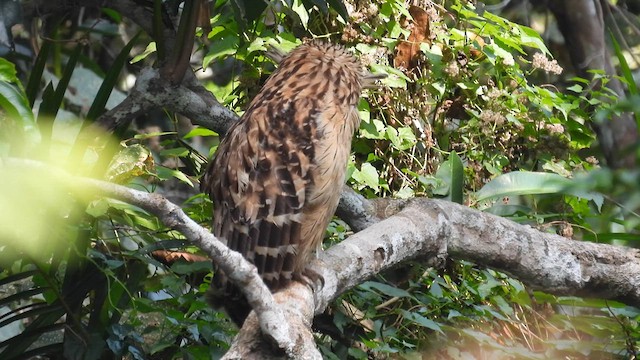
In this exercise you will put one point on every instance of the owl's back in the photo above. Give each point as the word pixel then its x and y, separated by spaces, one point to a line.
pixel 275 179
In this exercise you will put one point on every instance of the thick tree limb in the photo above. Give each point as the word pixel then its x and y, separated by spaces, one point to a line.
pixel 433 229
pixel 358 212
pixel 298 304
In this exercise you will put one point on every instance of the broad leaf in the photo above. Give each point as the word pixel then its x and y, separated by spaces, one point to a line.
pixel 533 183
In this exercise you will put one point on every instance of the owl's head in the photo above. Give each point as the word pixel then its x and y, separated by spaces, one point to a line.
pixel 331 61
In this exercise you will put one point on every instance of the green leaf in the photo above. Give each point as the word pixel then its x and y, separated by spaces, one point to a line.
pixel 8 71
pixel 340 8
pixel 402 138
pixel 495 51
pixel 52 100
pixel 114 15
pixel 299 9
pixel 507 210
pixel 132 161
pixel 627 74
pixel 531 38
pixel 624 66
pixel 367 175
pixel 227 44
pixel 110 79
pixel 422 321
pixel 356 353
pixel 405 193
pixel 36 72
pixel 451 172
pixel 453 314
pixel 150 49
pixel 392 135
pixel 395 78
pixel 166 173
pixel 384 289
pixel 51 104
pixel 184 268
pixel 439 87
pixel 18 126
pixel 200 131
pixel 98 208
pixel 435 289
pixel 247 11
pixel 374 129
pixel 15 104
pixel 576 88
pixel 364 110
pixel 533 183
pixel 179 151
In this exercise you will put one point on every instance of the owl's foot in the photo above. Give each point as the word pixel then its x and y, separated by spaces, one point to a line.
pixel 310 278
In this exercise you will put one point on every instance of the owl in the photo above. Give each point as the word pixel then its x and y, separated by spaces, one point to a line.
pixel 276 176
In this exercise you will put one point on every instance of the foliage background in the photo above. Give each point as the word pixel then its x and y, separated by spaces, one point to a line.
pixel 474 110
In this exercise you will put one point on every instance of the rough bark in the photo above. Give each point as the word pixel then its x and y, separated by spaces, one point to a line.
pixel 188 98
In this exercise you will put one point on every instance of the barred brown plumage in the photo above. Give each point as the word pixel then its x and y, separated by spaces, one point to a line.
pixel 275 178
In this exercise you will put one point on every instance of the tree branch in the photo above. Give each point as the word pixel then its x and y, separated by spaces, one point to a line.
pixel 434 229
pixel 188 98
pixel 164 88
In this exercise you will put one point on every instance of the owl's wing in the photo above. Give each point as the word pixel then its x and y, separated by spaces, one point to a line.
pixel 258 182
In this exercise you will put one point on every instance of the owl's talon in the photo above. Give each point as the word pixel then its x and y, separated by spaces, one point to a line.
pixel 310 278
